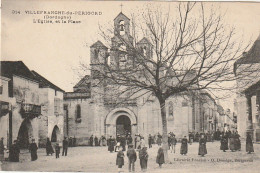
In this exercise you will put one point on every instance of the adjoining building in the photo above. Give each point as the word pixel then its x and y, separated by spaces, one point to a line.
pixel 32 109
pixel 253 110
pixel 246 102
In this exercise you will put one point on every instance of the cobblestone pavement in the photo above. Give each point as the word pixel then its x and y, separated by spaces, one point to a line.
pixel 98 159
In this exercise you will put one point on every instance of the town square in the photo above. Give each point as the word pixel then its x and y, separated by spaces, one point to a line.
pixel 130 86
pixel 98 159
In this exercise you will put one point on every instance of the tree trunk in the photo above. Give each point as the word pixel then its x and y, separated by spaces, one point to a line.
pixel 165 145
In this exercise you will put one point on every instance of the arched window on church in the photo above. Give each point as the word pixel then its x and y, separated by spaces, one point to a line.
pixel 122 27
pixel 122 61
pixel 144 51
pixel 108 60
pixel 96 53
pixel 170 109
pixel 78 113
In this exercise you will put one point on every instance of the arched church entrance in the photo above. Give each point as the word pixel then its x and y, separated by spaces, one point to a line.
pixel 123 125
pixel 55 136
pixel 120 121
pixel 25 134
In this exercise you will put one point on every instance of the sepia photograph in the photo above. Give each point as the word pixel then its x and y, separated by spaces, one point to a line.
pixel 130 86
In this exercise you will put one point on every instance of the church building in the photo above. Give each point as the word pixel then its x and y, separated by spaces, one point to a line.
pixel 90 109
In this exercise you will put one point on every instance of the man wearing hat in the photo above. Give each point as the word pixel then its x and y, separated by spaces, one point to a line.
pixel 131 154
pixel 65 145
pixel 33 149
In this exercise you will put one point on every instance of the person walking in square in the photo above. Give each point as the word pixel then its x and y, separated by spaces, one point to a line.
pixel 65 145
pixel 173 143
pixel 143 156
pixel 111 144
pixel 150 141
pixel 160 157
pixel 120 159
pixel 159 139
pixel 232 142
pixel 49 149
pixel 91 139
pixel 131 154
pixel 249 144
pixel 123 142
pixel 224 143
pixel 237 141
pixel 184 146
pixel 191 137
pixel 96 141
pixel 33 149
pixel 202 146
pixel 57 150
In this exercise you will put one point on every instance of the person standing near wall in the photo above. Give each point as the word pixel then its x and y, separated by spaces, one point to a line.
pixel 65 145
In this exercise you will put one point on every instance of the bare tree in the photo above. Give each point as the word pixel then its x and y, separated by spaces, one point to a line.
pixel 186 51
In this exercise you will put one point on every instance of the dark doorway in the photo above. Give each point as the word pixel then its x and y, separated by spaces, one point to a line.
pixel 24 134
pixel 55 134
pixel 123 125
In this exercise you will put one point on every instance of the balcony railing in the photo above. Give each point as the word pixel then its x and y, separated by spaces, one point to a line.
pixel 30 111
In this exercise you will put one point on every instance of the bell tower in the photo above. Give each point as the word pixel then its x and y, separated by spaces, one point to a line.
pixel 121 25
pixel 120 53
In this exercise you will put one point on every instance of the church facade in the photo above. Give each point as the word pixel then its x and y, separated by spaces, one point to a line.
pixel 90 109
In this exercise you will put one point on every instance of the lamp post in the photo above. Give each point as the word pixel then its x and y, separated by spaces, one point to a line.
pixel 10 137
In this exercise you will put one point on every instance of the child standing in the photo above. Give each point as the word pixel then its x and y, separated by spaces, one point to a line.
pixel 57 150
pixel 160 157
pixel 120 159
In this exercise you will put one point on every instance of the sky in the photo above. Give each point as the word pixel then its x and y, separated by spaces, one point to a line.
pixel 56 50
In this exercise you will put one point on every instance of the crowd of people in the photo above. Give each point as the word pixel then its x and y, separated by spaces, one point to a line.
pixel 231 141
pixel 228 141
pixel 15 148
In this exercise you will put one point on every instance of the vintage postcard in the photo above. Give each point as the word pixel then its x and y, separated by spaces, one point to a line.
pixel 129 86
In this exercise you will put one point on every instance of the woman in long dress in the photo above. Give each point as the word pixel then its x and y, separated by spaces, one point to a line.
pixel 224 143
pixel 184 146
pixel 202 146
pixel 49 149
pixel 249 144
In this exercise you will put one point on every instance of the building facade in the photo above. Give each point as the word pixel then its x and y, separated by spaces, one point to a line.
pixel 32 100
pixel 91 109
pixel 249 65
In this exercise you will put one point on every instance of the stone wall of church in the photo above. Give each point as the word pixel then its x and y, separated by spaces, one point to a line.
pixel 180 123
pixel 80 128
